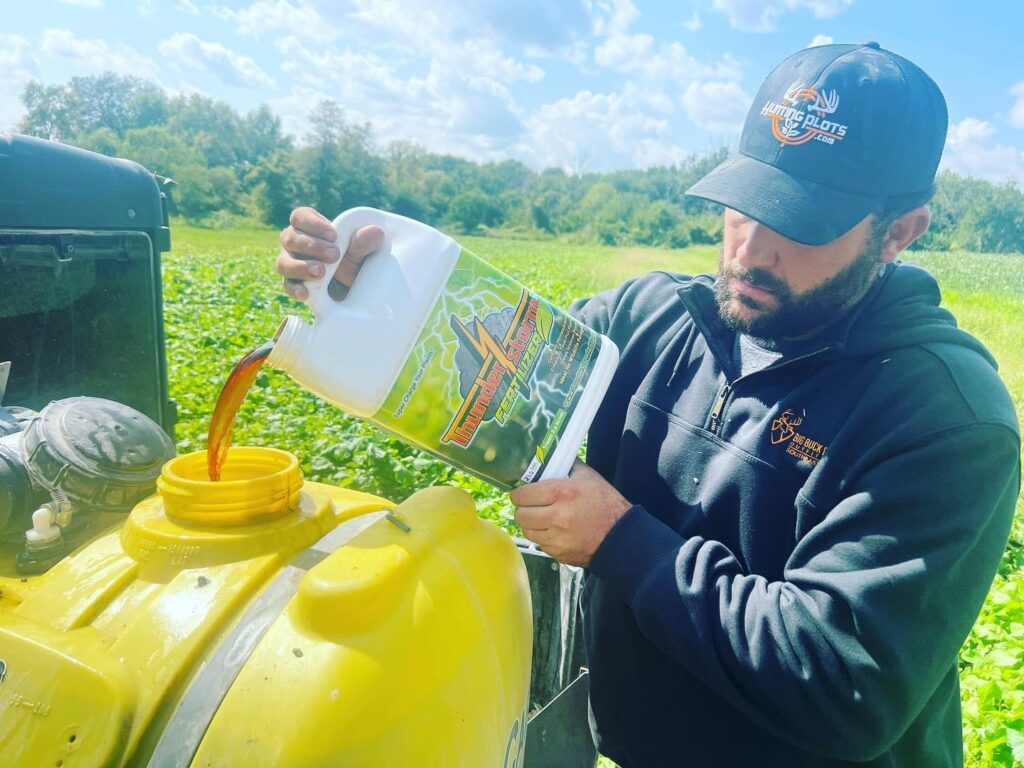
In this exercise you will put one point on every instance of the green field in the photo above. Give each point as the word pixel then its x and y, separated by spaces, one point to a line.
pixel 222 298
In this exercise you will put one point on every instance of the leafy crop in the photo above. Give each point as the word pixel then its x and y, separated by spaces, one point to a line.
pixel 222 298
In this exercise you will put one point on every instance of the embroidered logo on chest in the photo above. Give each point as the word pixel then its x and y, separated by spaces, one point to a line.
pixel 797 444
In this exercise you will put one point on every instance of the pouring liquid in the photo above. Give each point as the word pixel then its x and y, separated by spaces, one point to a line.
pixel 222 423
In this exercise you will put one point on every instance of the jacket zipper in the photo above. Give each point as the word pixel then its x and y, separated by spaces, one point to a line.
pixel 719 406
pixel 723 394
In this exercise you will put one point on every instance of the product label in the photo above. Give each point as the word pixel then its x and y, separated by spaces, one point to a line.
pixel 493 378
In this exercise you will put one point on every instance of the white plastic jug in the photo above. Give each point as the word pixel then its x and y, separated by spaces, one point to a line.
pixel 440 348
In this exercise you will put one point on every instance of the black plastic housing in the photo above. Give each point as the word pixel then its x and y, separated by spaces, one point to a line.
pixel 77 221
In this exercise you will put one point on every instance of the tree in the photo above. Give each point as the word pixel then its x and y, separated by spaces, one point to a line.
pixel 202 191
pixel 51 111
pixel 472 210
pixel 212 127
pixel 340 166
pixel 275 187
pixel 660 223
pixel 261 136
pixel 159 150
pixel 102 140
pixel 606 212
pixel 85 105
pixel 117 102
pixel 994 220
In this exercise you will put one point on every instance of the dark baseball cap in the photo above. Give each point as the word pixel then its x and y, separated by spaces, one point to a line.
pixel 834 132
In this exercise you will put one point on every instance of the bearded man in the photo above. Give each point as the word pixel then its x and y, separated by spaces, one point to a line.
pixel 801 480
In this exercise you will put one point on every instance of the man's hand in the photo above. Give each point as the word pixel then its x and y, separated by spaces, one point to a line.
pixel 569 518
pixel 309 243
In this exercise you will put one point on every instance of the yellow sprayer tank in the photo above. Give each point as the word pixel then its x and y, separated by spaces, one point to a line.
pixel 267 621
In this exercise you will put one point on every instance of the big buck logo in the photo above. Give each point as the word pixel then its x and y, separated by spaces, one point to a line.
pixel 798 446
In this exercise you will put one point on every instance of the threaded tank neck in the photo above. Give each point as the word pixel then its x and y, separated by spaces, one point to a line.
pixel 256 485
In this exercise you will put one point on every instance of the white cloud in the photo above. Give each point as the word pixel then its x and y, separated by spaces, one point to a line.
pixel 711 93
pixel 187 6
pixel 969 131
pixel 614 17
pixel 638 56
pixel 1017 110
pixel 625 52
pixel 693 23
pixel 540 26
pixel 598 131
pixel 16 60
pixel 476 57
pixel 761 15
pixel 461 34
pixel 294 108
pixel 93 56
pixel 17 66
pixel 971 150
pixel 233 68
pixel 300 19
pixel 449 109
pixel 537 24
pixel 820 40
pixel 716 106
pixel 83 3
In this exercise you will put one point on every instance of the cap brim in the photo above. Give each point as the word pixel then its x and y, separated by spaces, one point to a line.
pixel 797 209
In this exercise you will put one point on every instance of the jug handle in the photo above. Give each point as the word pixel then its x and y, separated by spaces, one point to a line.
pixel 346 225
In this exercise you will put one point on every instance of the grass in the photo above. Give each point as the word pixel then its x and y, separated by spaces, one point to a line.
pixel 222 299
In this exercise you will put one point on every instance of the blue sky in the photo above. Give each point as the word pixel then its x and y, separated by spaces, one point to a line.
pixel 578 84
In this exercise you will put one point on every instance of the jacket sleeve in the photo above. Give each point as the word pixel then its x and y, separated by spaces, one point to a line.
pixel 840 655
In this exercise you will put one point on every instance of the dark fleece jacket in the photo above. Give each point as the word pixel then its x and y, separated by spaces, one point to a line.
pixel 809 544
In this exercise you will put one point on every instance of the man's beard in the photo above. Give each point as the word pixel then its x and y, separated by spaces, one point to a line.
pixel 797 316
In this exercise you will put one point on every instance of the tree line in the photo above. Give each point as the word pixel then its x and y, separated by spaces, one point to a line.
pixel 231 169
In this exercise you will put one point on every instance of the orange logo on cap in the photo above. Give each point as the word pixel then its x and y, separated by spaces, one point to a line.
pixel 803 116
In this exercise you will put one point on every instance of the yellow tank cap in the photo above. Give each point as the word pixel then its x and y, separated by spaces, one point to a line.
pixel 260 507
pixel 256 485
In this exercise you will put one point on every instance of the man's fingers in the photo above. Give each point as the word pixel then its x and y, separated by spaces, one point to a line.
pixel 536 536
pixel 313 222
pixel 364 242
pixel 533 519
pixel 292 267
pixel 303 245
pixel 537 494
pixel 296 290
pixel 308 245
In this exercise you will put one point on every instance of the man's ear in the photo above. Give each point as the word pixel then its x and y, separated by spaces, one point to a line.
pixel 905 230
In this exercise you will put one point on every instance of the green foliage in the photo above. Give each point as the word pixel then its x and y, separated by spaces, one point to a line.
pixel 275 188
pixel 974 215
pixel 991 664
pixel 473 210
pixel 87 104
pixel 985 291
pixel 338 167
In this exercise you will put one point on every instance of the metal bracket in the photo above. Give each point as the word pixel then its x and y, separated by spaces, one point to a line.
pixel 558 736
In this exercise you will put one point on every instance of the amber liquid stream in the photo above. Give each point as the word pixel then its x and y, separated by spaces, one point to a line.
pixel 222 423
